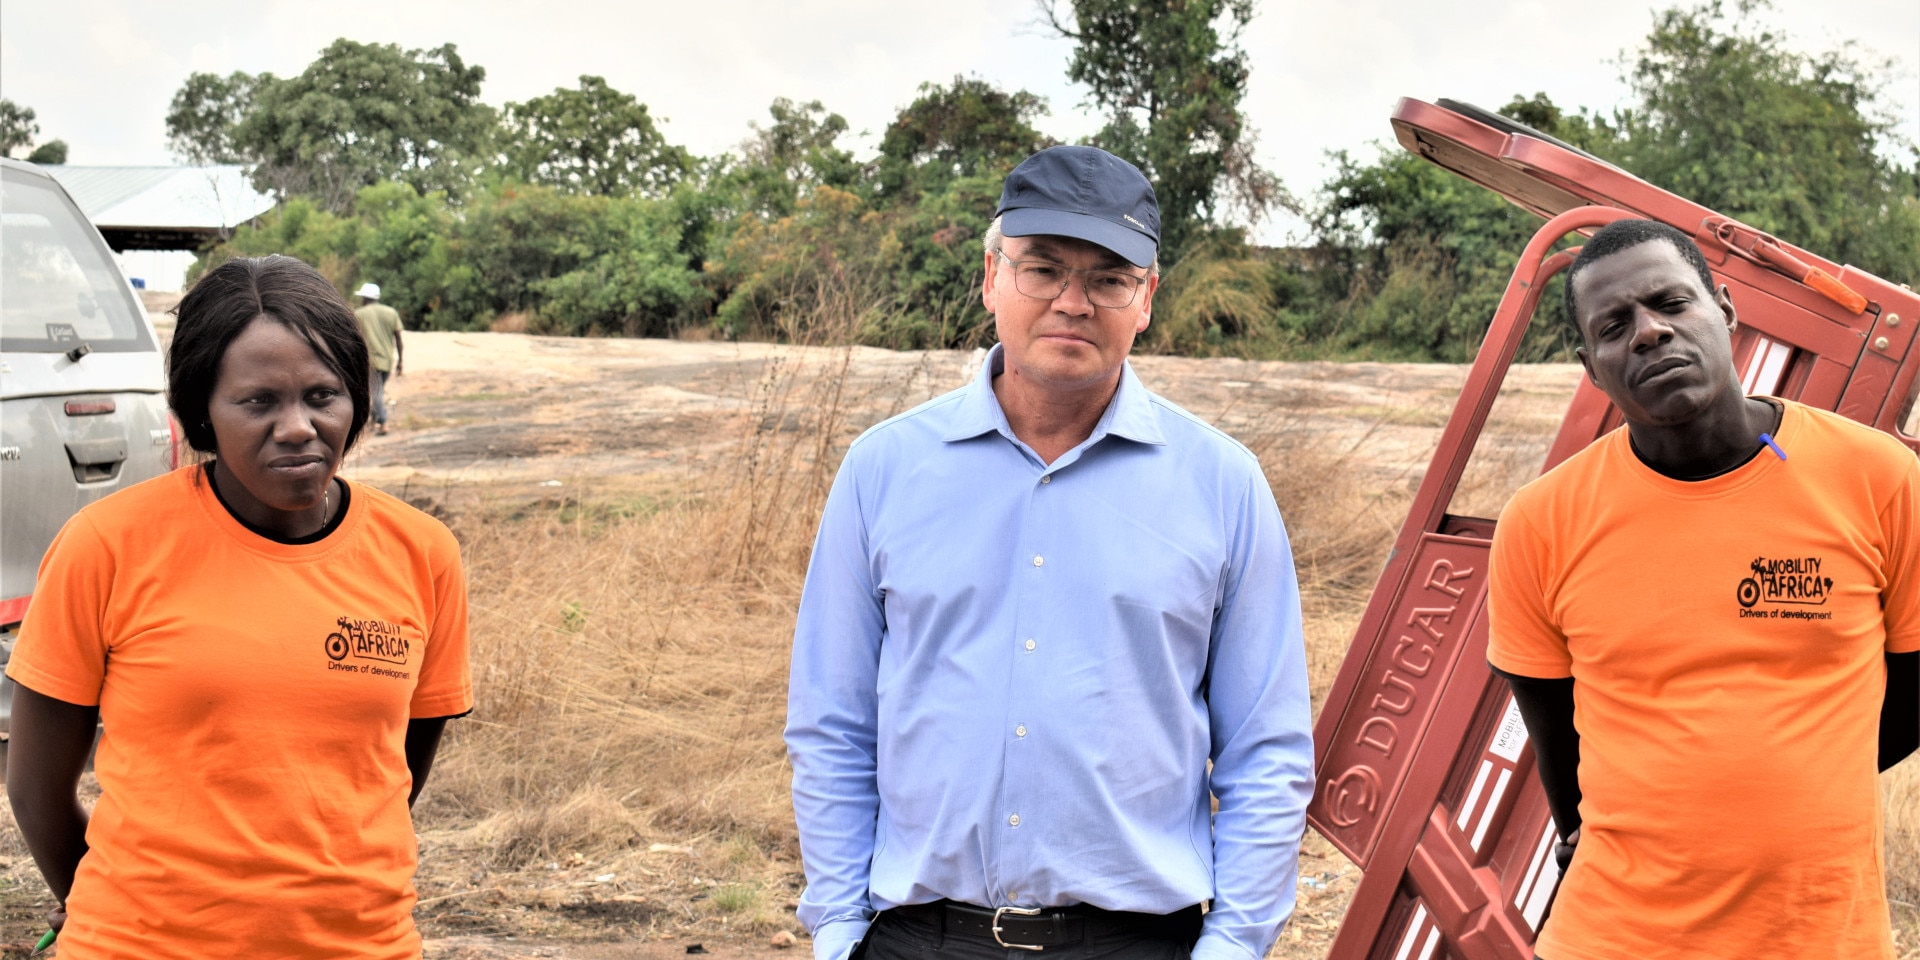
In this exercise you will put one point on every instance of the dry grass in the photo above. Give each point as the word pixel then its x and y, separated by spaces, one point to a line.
pixel 624 771
pixel 1901 789
pixel 632 654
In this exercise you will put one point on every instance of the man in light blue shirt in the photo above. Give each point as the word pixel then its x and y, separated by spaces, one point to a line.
pixel 1037 608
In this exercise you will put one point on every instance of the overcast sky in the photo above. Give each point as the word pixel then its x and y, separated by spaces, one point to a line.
pixel 1325 74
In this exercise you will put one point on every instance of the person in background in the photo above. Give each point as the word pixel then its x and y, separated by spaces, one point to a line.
pixel 1698 615
pixel 271 650
pixel 380 325
pixel 1049 617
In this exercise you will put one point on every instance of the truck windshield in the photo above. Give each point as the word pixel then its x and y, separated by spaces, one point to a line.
pixel 59 287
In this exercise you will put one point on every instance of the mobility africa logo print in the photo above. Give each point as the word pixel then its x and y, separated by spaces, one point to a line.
pixel 376 641
pixel 1785 580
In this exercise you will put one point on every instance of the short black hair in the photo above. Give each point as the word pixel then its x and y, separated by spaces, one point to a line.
pixel 228 298
pixel 1625 235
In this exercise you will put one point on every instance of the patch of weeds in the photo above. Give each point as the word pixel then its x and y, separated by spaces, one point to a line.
pixel 573 617
pixel 592 514
pixel 736 897
pixel 742 850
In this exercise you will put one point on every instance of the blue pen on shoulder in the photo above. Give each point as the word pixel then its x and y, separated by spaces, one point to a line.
pixel 1768 440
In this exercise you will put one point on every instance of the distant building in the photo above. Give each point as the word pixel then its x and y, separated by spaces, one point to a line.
pixel 143 211
pixel 163 208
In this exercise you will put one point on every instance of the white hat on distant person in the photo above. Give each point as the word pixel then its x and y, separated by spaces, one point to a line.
pixel 369 290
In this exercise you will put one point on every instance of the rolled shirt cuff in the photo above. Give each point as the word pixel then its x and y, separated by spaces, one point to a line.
pixel 1214 945
pixel 836 940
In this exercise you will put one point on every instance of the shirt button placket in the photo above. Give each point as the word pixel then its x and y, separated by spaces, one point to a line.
pixel 1028 679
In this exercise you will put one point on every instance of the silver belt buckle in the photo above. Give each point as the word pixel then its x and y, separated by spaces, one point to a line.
pixel 1018 912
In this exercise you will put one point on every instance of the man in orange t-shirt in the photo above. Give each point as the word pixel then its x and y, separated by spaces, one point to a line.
pixel 1697 615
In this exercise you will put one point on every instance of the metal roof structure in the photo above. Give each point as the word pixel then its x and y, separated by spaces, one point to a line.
pixel 163 208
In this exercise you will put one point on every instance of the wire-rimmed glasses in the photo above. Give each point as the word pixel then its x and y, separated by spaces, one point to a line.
pixel 1046 280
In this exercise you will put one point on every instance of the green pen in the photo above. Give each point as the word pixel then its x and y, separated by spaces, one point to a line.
pixel 46 941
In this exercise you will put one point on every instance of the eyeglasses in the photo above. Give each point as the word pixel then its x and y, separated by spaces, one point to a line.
pixel 1045 280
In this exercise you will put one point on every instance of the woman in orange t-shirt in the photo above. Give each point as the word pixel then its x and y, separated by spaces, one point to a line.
pixel 270 650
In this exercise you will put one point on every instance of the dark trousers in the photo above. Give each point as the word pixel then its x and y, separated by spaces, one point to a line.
pixel 894 936
pixel 377 394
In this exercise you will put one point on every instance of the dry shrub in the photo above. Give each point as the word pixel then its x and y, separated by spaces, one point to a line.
pixel 1215 294
pixel 591 819
pixel 513 322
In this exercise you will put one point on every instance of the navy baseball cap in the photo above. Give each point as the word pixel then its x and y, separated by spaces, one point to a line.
pixel 1085 193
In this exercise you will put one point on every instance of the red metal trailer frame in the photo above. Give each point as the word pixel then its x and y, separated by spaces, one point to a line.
pixel 1425 779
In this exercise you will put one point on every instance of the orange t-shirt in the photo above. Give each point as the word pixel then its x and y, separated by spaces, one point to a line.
pixel 1725 637
pixel 254 697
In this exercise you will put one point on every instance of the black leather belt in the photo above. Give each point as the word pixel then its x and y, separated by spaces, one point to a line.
pixel 1037 928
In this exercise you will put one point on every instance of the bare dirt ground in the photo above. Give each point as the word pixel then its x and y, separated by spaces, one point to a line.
pixel 530 413
pixel 484 422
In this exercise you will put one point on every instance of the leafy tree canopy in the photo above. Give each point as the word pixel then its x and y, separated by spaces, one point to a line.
pixel 965 129
pixel 596 224
pixel 785 160
pixel 1799 145
pixel 17 127
pixel 1170 75
pixel 52 153
pixel 367 112
pixel 594 140
pixel 205 113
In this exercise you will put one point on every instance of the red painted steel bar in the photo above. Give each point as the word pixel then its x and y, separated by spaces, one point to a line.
pixel 1425 631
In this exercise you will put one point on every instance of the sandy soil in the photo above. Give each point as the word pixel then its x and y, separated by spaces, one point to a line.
pixel 519 411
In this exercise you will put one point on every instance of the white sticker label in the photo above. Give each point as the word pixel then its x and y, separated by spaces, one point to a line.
pixel 1510 736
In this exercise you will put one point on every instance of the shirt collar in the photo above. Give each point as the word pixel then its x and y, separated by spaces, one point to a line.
pixel 1130 414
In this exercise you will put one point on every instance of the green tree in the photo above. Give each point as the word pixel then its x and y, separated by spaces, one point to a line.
pixel 1411 260
pixel 363 113
pixel 638 283
pixel 1796 144
pixel 505 242
pixel 205 113
pixel 53 153
pixel 820 274
pixel 298 228
pixel 1414 260
pixel 787 159
pixel 968 129
pixel 592 140
pixel 1170 75
pixel 403 246
pixel 17 127
pixel 938 177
